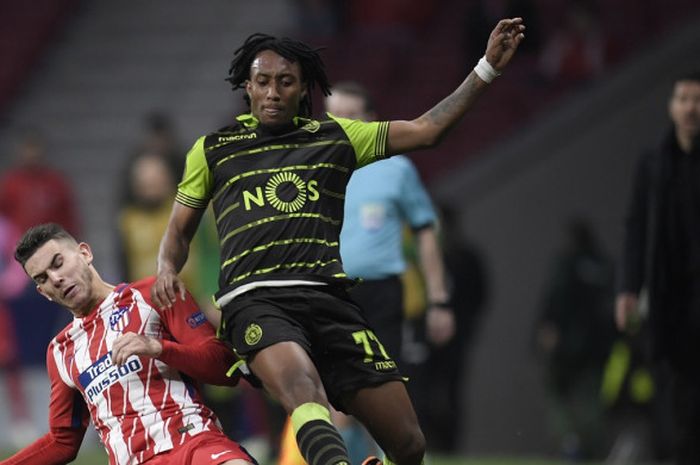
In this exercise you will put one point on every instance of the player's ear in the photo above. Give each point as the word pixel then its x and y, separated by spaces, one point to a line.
pixel 86 252
pixel 248 87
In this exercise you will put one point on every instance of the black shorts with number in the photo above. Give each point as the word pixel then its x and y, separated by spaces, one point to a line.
pixel 381 301
pixel 321 319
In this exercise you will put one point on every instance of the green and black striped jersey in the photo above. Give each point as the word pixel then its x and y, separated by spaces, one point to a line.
pixel 278 196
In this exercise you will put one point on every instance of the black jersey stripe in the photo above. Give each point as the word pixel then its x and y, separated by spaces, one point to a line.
pixel 283 266
pixel 335 195
pixel 269 148
pixel 191 202
pixel 283 242
pixel 382 136
pixel 226 211
pixel 269 219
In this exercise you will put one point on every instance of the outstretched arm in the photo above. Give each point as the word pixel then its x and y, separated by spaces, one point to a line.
pixel 429 129
pixel 174 248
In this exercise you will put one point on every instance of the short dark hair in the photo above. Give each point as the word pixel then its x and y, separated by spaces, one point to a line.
pixel 35 237
pixel 356 89
pixel 313 71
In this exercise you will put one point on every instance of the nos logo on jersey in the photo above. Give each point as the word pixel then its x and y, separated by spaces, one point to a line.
pixel 119 319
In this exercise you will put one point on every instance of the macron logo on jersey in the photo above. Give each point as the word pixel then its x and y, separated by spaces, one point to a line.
pixel 102 374
pixel 196 319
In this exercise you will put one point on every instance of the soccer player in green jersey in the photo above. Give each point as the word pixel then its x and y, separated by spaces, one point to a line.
pixel 277 179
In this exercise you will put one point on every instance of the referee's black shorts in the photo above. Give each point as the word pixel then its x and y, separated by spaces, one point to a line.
pixel 321 319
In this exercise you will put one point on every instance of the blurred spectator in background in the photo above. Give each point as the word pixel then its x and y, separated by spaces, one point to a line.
pixel 576 50
pixel 444 422
pixel 662 255
pixel 33 192
pixel 574 334
pixel 150 191
pixel 12 282
pixel 161 137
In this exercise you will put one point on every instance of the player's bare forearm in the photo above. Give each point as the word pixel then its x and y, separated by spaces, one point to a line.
pixel 450 110
pixel 173 252
pixel 430 128
pixel 175 245
pixel 446 113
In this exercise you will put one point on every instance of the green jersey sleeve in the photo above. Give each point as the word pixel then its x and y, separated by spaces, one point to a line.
pixel 369 139
pixel 194 190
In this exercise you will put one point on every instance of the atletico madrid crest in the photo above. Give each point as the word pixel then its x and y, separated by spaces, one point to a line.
pixel 119 319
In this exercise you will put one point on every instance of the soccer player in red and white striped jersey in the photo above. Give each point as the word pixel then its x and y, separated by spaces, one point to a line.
pixel 129 366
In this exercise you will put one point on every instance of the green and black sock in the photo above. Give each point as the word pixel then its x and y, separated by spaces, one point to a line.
pixel 318 440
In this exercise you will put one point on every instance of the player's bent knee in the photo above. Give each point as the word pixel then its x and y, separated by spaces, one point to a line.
pixel 408 448
pixel 301 389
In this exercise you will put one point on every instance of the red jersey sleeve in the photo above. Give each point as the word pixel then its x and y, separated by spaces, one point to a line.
pixel 193 347
pixel 68 420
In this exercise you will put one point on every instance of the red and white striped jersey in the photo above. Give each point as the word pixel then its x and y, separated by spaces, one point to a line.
pixel 147 405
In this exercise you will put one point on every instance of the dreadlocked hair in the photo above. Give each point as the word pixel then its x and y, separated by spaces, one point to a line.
pixel 313 71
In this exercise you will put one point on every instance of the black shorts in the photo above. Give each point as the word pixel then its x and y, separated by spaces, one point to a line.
pixel 381 301
pixel 321 319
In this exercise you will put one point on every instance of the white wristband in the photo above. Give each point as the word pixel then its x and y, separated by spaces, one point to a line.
pixel 485 71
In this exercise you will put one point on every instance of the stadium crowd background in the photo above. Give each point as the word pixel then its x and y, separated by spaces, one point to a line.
pixel 556 139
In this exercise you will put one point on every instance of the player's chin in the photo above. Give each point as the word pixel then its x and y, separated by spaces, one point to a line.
pixel 275 118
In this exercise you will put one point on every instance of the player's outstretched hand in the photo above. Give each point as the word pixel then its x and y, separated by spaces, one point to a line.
pixel 504 41
pixel 129 344
pixel 166 289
